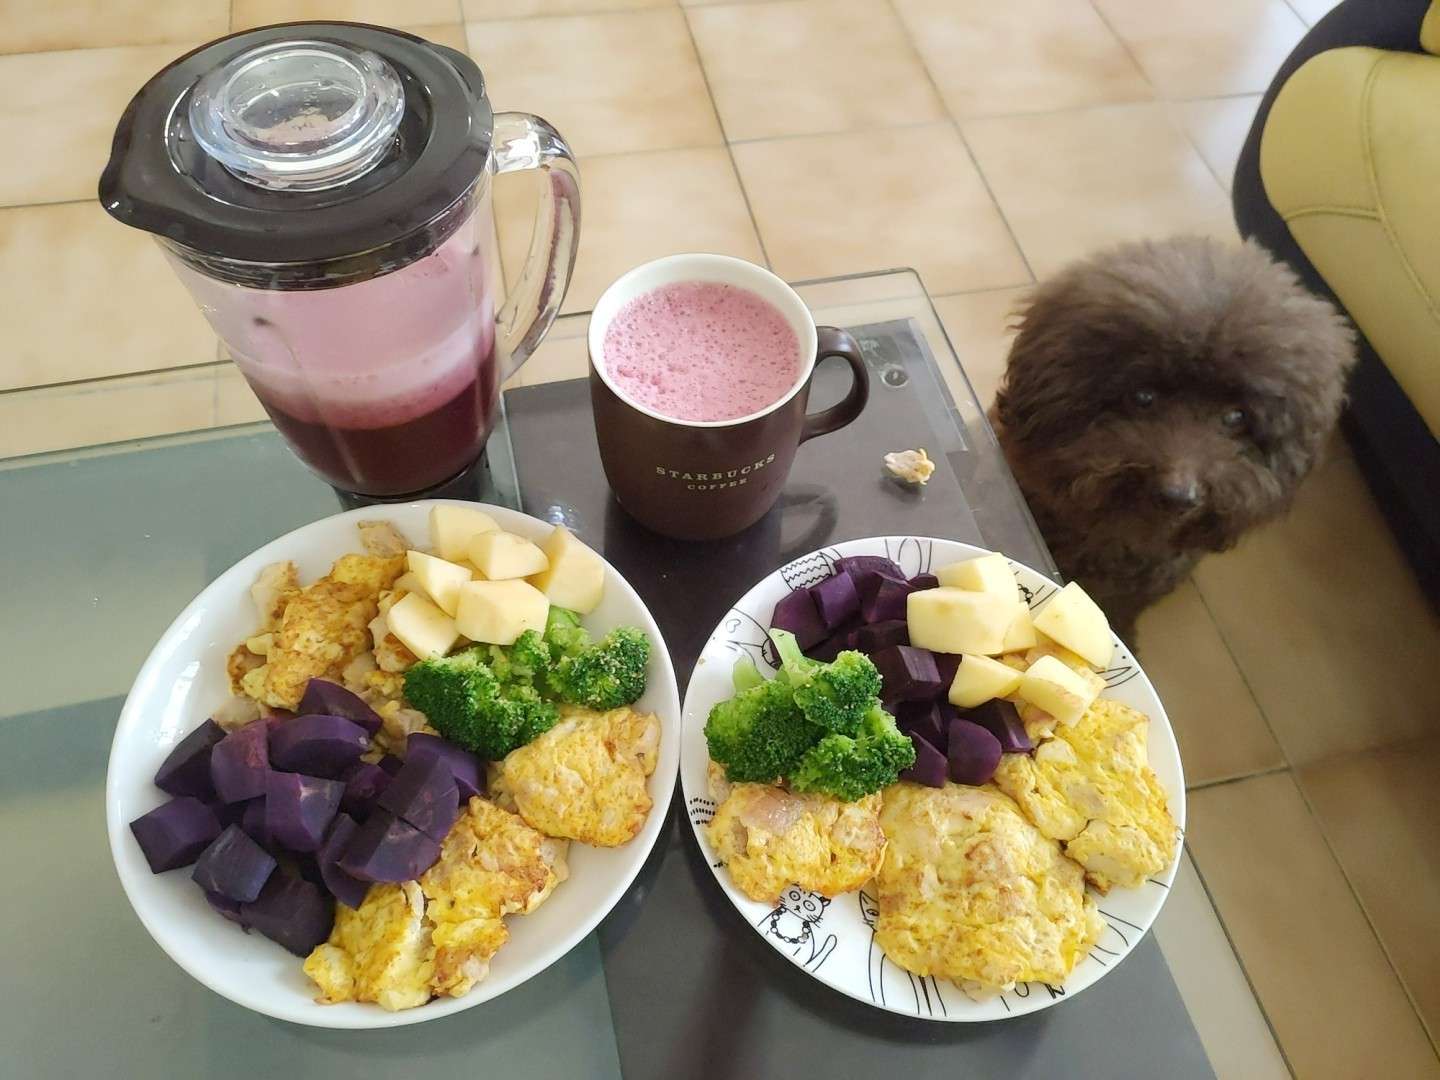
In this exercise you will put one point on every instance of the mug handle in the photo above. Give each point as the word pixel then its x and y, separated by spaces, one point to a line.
pixel 836 342
pixel 521 141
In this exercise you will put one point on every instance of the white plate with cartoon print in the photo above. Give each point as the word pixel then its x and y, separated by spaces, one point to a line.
pixel 833 939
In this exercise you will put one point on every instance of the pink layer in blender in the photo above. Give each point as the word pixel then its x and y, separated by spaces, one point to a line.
pixel 386 386
pixel 702 350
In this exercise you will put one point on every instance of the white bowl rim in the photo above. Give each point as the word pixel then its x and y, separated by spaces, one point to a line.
pixel 370 1016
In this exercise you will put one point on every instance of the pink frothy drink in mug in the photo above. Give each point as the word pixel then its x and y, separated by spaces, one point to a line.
pixel 323 191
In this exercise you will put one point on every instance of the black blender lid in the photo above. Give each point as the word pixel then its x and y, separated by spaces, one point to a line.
pixel 384 134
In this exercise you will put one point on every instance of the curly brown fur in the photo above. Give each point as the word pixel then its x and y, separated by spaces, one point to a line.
pixel 1160 399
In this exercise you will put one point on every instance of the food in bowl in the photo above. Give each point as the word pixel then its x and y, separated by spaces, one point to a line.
pixel 325 807
pixel 1023 784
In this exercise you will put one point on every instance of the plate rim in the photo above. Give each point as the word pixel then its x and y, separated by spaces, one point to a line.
pixel 661 786
pixel 1176 800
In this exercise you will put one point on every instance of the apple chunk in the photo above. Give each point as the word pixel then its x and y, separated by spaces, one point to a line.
pixel 979 678
pixel 1021 635
pixel 451 528
pixel 575 578
pixel 1049 685
pixel 438 579
pixel 950 620
pixel 421 626
pixel 1072 619
pixel 498 612
pixel 502 555
pixel 988 573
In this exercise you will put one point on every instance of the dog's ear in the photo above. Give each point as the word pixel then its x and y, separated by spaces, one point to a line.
pixel 1051 367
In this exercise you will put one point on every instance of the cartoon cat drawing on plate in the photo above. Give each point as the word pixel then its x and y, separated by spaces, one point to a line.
pixel 792 923
pixel 924 991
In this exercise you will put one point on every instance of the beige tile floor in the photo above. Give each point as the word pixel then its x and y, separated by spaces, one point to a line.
pixel 983 143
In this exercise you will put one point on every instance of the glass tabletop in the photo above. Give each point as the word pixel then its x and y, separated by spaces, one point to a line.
pixel 101 547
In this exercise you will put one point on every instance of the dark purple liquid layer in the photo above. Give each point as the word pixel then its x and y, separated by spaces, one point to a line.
pixel 399 459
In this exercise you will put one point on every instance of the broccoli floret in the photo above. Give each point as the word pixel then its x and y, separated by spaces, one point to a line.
pixel 851 768
pixel 745 674
pixel 759 735
pixel 564 634
pixel 525 663
pixel 607 674
pixel 466 703
pixel 834 695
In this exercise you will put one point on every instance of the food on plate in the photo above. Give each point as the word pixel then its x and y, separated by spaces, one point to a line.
pixel 907 673
pixel 584 779
pixel 452 528
pixel 770 839
pixel 820 726
pixel 1059 690
pixel 175 832
pixel 986 573
pixel 1021 634
pixel 234 866
pixel 910 466
pixel 411 941
pixel 971 891
pixel 575 576
pixel 1018 784
pixel 498 612
pixel 1091 787
pixel 316 630
pixel 501 555
pixel 1075 621
pixel 186 770
pixel 341 794
pixel 978 679
pixel 951 620
pixel 438 579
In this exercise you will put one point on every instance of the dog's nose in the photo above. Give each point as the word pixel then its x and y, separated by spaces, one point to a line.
pixel 1183 493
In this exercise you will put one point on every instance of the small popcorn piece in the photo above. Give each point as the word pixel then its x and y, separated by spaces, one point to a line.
pixel 910 466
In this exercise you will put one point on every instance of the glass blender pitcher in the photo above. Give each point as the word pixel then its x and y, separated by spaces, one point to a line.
pixel 323 191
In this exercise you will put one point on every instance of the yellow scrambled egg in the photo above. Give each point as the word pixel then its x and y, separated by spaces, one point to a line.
pixel 584 779
pixel 771 839
pixel 410 942
pixel 311 632
pixel 1092 788
pixel 971 891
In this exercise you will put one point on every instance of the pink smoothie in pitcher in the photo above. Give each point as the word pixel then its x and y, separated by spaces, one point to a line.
pixel 702 350
pixel 386 386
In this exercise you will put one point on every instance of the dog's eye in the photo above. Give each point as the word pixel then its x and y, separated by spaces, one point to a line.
pixel 1233 419
pixel 1143 398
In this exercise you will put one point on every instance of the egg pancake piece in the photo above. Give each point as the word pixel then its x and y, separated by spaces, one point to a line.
pixel 1091 787
pixel 491 864
pixel 971 891
pixel 584 779
pixel 379 952
pixel 771 839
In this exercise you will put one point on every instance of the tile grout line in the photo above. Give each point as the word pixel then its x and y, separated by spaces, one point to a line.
pixel 725 138
pixel 1430 1037
pixel 1125 47
pixel 1309 809
pixel 1226 781
pixel 964 142
pixel 1240 963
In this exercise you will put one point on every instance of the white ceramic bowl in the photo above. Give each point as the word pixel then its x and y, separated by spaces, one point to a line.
pixel 834 940
pixel 181 683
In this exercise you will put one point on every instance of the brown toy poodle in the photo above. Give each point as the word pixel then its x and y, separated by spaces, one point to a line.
pixel 1160 399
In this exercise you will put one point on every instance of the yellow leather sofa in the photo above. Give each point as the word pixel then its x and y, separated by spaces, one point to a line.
pixel 1350 158
pixel 1340 177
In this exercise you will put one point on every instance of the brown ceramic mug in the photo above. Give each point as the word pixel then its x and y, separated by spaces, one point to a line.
pixel 699 479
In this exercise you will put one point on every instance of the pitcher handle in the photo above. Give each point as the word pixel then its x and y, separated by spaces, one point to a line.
pixel 521 141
